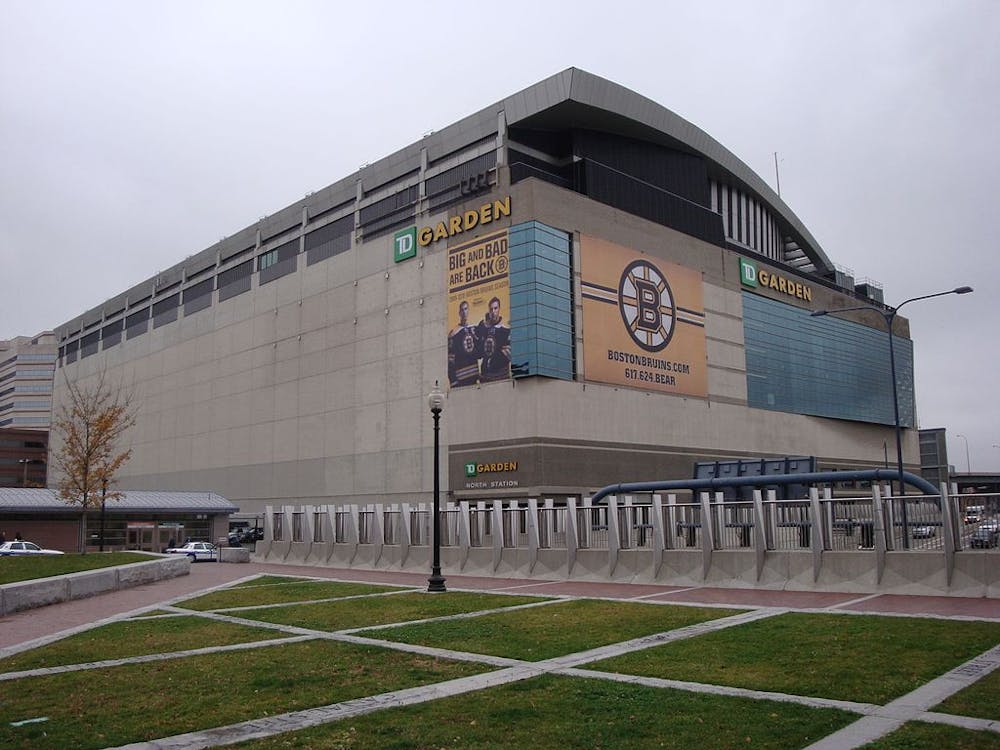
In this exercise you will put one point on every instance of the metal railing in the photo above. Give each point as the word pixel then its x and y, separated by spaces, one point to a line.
pixel 919 523
pixel 552 528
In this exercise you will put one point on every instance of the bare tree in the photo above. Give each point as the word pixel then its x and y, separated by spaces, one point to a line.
pixel 91 423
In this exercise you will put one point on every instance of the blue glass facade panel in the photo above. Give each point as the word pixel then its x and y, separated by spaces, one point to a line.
pixel 541 304
pixel 823 366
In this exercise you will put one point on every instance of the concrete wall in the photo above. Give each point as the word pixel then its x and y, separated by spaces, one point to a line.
pixel 977 573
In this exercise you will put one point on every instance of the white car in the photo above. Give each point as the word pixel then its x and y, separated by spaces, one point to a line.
pixel 196 551
pixel 25 548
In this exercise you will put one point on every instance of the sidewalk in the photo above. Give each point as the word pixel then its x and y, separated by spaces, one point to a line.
pixel 38 623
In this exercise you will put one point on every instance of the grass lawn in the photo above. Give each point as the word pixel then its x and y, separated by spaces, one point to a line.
pixel 860 658
pixel 573 714
pixel 120 705
pixel 119 640
pixel 243 596
pixel 25 568
pixel 382 610
pixel 981 699
pixel 919 735
pixel 556 629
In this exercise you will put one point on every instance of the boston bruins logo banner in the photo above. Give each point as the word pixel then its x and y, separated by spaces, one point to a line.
pixel 643 320
pixel 478 311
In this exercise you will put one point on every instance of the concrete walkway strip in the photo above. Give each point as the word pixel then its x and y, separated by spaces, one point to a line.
pixel 852 602
pixel 732 692
pixel 437 653
pixel 145 658
pixel 676 591
pixel 456 616
pixel 963 722
pixel 279 605
pixel 914 705
pixel 233 620
pixel 658 639
pixel 291 722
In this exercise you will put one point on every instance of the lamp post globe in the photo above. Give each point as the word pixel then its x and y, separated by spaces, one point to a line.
pixel 435 401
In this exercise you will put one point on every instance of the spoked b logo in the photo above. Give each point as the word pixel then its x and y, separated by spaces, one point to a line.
pixel 647 305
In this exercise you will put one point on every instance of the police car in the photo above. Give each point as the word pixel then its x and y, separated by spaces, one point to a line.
pixel 19 547
pixel 196 551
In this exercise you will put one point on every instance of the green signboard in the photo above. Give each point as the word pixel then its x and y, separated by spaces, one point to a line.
pixel 404 244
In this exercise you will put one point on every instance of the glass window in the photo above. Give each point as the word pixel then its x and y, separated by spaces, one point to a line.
pixel 823 366
pixel 267 260
pixel 541 302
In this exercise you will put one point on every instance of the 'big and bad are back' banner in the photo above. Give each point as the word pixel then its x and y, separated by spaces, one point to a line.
pixel 644 320
pixel 478 311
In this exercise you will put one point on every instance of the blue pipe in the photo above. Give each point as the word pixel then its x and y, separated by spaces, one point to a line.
pixel 757 481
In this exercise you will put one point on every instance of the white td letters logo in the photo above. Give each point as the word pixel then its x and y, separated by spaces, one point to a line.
pixel 404 244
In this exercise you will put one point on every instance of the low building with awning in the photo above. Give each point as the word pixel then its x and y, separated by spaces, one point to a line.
pixel 138 520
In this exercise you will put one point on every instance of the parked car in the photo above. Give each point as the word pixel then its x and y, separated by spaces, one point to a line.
pixel 196 551
pixel 252 535
pixel 239 537
pixel 924 531
pixel 974 513
pixel 984 538
pixel 8 549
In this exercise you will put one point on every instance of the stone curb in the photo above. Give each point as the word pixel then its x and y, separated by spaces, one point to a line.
pixel 17 597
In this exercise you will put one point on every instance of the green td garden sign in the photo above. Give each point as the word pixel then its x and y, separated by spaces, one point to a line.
pixel 473 472
pixel 760 278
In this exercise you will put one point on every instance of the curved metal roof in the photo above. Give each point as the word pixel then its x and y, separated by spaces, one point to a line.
pixel 618 109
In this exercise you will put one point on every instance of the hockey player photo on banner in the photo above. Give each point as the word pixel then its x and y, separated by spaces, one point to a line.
pixel 644 320
pixel 478 305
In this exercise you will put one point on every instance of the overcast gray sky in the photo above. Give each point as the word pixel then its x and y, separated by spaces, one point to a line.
pixel 134 134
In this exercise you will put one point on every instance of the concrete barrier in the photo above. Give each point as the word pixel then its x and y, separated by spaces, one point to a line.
pixel 234 555
pixel 17 597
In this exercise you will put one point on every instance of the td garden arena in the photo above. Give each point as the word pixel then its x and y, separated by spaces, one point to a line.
pixel 603 291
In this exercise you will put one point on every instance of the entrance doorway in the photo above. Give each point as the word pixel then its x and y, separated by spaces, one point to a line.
pixel 152 537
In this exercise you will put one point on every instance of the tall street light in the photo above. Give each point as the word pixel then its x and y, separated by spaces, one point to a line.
pixel 435 400
pixel 889 315
pixel 968 463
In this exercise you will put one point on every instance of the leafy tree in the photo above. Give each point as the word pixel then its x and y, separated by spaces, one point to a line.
pixel 91 422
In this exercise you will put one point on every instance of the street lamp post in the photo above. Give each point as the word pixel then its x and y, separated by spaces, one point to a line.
pixel 890 316
pixel 24 475
pixel 435 400
pixel 968 462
